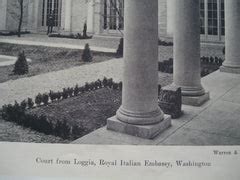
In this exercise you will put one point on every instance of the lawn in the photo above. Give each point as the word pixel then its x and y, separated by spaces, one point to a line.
pixel 89 110
pixel 45 59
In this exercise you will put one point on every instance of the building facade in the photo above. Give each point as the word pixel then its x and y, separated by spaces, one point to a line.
pixel 104 17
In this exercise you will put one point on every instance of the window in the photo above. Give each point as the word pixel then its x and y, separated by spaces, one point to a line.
pixel 212 20
pixel 202 17
pixel 113 14
pixel 43 12
pixel 212 17
pixel 51 7
pixel 222 18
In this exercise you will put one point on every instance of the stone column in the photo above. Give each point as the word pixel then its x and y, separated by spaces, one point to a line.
pixel 170 17
pixel 232 37
pixel 68 16
pixel 97 19
pixel 187 52
pixel 140 114
pixel 90 16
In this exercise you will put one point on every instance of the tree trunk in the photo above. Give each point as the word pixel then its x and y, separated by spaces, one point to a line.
pixel 20 18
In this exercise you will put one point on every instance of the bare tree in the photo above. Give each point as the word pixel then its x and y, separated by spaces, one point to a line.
pixel 20 17
pixel 17 14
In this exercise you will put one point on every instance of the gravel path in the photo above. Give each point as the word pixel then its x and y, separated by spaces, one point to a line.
pixel 29 87
pixel 96 44
pixel 96 41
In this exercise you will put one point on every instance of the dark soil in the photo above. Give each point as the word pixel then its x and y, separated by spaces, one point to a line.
pixel 89 110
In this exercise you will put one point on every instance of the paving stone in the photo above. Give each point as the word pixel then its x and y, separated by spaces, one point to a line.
pixel 189 137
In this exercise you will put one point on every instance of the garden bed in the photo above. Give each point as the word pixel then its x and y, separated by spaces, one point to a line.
pixel 208 65
pixel 46 59
pixel 11 132
pixel 88 111
pixel 69 36
pixel 70 113
pixel 12 33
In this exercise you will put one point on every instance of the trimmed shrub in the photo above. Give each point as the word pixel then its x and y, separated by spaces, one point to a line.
pixel 12 33
pixel 82 89
pixel 110 83
pixel 159 89
pixel 23 104
pixel 21 65
pixel 164 43
pixel 52 95
pixel 85 30
pixel 91 86
pixel 70 92
pixel 76 90
pixel 105 82
pixel 87 55
pixel 119 52
pixel 99 83
pixel 70 36
pixel 65 93
pixel 59 95
pixel 39 99
pixel 120 85
pixel 87 87
pixel 30 103
pixel 45 99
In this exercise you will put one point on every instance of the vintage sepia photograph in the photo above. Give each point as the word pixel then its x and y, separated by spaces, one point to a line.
pixel 120 72
pixel 139 72
pixel 81 78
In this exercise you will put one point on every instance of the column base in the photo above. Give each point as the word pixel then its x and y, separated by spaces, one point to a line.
pixel 142 131
pixel 234 70
pixel 195 100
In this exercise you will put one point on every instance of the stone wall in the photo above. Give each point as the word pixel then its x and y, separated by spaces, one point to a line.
pixel 3 13
pixel 13 14
pixel 79 14
pixel 34 15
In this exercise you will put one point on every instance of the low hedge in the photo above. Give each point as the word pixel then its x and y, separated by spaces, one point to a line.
pixel 167 65
pixel 212 60
pixel 12 33
pixel 18 112
pixel 46 98
pixel 164 43
pixel 70 36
